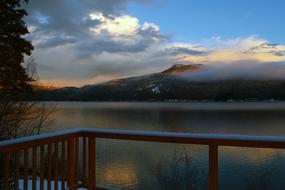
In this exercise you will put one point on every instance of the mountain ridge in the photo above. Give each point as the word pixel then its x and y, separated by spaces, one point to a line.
pixel 181 68
pixel 168 85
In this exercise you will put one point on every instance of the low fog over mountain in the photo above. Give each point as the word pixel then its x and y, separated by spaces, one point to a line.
pixel 249 70
pixel 194 82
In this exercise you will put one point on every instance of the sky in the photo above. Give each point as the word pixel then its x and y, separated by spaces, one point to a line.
pixel 193 20
pixel 80 42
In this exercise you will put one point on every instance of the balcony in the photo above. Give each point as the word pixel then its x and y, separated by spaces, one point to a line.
pixel 51 161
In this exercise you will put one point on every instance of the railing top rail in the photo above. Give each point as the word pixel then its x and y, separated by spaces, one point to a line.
pixel 155 136
pixel 190 138
pixel 18 143
pixel 261 138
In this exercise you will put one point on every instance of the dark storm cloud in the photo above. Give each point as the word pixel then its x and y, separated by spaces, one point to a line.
pixel 279 53
pixel 60 32
pixel 68 22
pixel 56 41
pixel 263 46
pixel 272 48
pixel 105 43
pixel 185 50
pixel 110 6
pixel 97 46
pixel 66 14
pixel 130 68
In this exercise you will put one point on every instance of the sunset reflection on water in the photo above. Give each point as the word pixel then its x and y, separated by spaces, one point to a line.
pixel 133 165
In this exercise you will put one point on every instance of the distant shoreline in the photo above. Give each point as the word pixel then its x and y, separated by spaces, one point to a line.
pixel 167 101
pixel 191 106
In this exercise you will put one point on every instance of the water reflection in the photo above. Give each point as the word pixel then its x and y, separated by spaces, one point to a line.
pixel 251 168
pixel 133 165
pixel 114 173
pixel 182 118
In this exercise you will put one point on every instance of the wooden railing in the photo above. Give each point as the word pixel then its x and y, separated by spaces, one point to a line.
pixel 52 160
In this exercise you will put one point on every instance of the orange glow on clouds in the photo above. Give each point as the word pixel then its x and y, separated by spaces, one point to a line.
pixel 212 51
pixel 239 49
pixel 76 82
pixel 227 56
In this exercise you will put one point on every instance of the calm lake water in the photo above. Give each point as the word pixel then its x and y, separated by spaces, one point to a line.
pixel 140 165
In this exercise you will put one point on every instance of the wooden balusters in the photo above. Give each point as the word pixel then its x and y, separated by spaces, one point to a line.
pixel 16 170
pixel 43 164
pixel 84 159
pixel 63 165
pixel 76 159
pixel 49 167
pixel 55 166
pixel 6 171
pixel 71 162
pixel 91 161
pixel 69 154
pixel 213 167
pixel 42 167
pixel 26 168
pixel 34 168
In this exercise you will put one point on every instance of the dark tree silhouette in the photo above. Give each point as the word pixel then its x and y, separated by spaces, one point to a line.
pixel 14 79
pixel 17 116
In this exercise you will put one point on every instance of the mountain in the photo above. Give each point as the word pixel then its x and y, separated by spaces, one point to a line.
pixel 170 85
pixel 180 68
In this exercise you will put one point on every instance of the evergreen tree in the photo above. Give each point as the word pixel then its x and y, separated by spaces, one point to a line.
pixel 14 80
pixel 17 116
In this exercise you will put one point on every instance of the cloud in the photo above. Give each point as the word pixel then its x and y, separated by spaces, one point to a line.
pixel 76 82
pixel 268 48
pixel 240 49
pixel 120 34
pixel 90 25
pixel 57 23
pixel 89 41
pixel 85 39
pixel 229 62
pixel 65 14
pixel 118 26
pixel 180 49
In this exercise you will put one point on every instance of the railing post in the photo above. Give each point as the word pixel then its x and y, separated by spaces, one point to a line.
pixel 34 168
pixel 6 171
pixel 63 165
pixel 91 160
pixel 213 167
pixel 71 164
pixel 16 177
pixel 26 168
pixel 49 167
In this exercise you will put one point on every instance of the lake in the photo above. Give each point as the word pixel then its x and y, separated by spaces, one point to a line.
pixel 144 165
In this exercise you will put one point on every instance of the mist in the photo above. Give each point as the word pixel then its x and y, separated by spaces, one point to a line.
pixel 238 70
